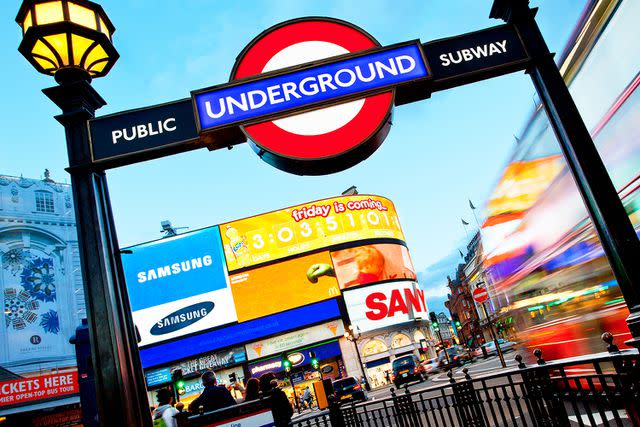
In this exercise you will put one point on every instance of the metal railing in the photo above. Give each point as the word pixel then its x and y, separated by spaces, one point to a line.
pixel 601 389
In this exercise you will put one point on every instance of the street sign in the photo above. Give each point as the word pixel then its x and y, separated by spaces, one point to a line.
pixel 313 96
pixel 342 63
pixel 496 47
pixel 143 129
pixel 480 295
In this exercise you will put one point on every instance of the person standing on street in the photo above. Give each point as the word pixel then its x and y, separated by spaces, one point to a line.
pixel 164 414
pixel 213 397
pixel 280 406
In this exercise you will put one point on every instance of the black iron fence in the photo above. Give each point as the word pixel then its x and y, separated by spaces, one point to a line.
pixel 598 390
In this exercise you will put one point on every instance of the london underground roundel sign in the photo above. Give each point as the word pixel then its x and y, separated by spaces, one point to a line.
pixel 323 140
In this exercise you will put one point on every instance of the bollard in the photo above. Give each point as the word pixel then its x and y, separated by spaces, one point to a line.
pixel 521 364
pixel 465 371
pixel 538 354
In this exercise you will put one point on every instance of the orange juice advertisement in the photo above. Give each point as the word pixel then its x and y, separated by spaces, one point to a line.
pixel 369 264
pixel 303 228
pixel 283 286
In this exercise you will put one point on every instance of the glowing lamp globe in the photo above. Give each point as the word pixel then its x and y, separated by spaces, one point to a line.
pixel 67 38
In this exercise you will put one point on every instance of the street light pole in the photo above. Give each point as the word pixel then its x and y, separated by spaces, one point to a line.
pixel 82 49
pixel 121 391
pixel 354 339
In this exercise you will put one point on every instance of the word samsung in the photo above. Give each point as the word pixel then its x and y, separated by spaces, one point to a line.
pixel 175 268
pixel 240 102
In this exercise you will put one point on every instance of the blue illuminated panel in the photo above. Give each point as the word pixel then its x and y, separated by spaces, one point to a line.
pixel 239 333
pixel 242 102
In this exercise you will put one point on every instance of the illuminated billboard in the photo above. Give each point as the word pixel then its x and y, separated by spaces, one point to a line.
pixel 521 184
pixel 385 304
pixel 369 264
pixel 178 286
pixel 299 338
pixel 282 286
pixel 239 333
pixel 303 228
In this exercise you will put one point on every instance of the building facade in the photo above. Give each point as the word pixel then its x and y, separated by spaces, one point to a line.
pixel 460 302
pixel 42 296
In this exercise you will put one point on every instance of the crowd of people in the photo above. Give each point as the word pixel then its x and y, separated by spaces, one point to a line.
pixel 215 397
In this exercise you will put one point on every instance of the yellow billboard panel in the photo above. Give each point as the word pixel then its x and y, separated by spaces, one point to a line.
pixel 282 286
pixel 308 227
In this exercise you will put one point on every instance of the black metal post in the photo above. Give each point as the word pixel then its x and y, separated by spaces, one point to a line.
pixel 367 386
pixel 494 337
pixel 295 395
pixel 120 387
pixel 616 233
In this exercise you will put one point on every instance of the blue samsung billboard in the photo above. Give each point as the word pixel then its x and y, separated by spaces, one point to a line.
pixel 239 333
pixel 246 101
pixel 178 286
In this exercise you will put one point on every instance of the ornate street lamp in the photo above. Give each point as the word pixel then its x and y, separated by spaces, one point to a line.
pixel 353 336
pixel 72 41
pixel 65 37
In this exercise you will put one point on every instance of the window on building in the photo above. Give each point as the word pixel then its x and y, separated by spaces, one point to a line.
pixel 44 202
pixel 374 347
pixel 400 340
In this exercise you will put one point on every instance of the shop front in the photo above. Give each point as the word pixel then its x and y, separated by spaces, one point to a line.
pixel 223 363
pixel 303 374
pixel 378 372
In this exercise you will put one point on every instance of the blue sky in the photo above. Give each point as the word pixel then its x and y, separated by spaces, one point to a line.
pixel 439 153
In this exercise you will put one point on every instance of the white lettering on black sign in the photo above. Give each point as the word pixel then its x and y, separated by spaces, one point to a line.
pixel 469 54
pixel 473 53
pixel 144 130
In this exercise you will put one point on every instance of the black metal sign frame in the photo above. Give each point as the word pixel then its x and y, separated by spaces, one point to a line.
pixel 156 142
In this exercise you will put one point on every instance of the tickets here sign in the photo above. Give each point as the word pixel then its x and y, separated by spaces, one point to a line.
pixel 38 388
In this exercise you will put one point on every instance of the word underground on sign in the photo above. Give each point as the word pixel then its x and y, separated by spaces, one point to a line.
pixel 246 101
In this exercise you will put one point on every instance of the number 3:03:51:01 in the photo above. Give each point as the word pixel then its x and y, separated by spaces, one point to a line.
pixel 288 234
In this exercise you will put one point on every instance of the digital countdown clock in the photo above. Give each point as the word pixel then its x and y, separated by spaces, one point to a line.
pixel 303 228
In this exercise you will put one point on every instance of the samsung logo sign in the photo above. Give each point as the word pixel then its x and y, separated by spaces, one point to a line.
pixel 182 318
pixel 173 269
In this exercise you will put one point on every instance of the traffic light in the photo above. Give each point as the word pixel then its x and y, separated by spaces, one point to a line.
pixel 314 360
pixel 232 377
pixel 456 320
pixel 178 382
pixel 434 320
pixel 286 363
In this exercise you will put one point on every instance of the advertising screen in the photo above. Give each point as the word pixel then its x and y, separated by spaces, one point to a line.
pixel 274 364
pixel 282 286
pixel 280 343
pixel 308 227
pixel 386 304
pixel 239 333
pixel 178 286
pixel 369 264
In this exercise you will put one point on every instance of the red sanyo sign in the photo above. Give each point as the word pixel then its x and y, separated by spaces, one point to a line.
pixel 399 302
pixel 378 306
pixel 23 390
